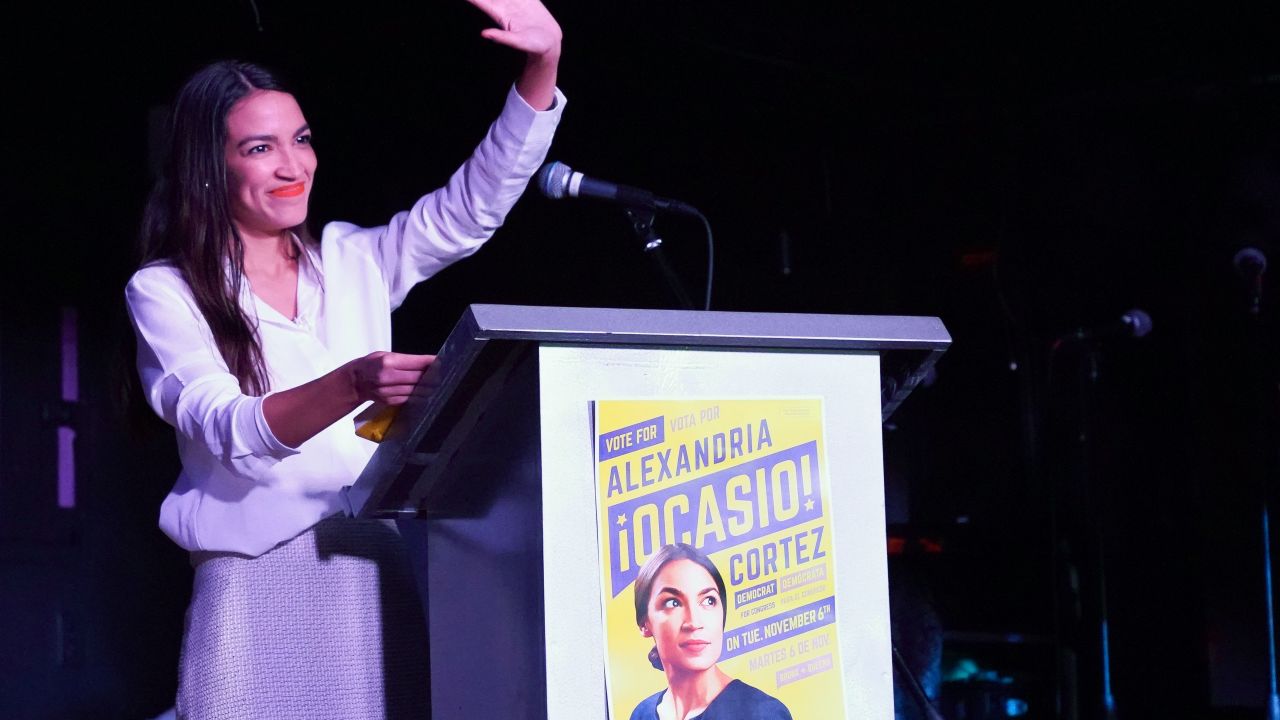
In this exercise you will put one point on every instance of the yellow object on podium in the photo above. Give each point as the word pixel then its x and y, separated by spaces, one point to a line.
pixel 375 428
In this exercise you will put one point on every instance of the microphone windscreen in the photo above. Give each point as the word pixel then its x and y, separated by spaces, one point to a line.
pixel 1250 261
pixel 553 179
pixel 1139 322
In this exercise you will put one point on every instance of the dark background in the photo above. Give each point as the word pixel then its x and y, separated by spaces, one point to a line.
pixel 1018 173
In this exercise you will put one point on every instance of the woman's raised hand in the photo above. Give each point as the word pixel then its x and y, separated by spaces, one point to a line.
pixel 524 25
pixel 387 377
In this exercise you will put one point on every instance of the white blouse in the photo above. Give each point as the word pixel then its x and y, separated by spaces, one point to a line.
pixel 241 489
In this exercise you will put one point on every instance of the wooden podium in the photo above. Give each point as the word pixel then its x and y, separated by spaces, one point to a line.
pixel 498 460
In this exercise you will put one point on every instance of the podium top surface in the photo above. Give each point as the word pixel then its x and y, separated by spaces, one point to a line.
pixel 710 329
pixel 474 368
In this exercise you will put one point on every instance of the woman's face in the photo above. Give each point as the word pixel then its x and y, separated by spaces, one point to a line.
pixel 270 163
pixel 686 617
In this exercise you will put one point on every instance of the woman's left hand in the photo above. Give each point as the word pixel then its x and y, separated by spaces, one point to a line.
pixel 524 25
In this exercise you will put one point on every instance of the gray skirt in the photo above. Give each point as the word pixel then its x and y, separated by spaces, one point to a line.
pixel 326 625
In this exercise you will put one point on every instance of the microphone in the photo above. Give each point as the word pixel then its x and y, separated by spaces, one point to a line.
pixel 557 180
pixel 1250 263
pixel 1135 324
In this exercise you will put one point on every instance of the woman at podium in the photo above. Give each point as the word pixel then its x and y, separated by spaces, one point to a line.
pixel 259 344
pixel 680 603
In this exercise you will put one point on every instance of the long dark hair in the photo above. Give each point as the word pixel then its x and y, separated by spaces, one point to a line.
pixel 187 221
pixel 649 572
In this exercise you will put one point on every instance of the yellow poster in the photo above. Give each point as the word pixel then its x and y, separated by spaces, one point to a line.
pixel 719 588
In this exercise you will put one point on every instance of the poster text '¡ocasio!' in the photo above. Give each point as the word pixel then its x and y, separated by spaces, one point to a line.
pixel 773 494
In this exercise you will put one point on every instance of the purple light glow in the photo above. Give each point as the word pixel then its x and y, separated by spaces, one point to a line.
pixel 66 467
pixel 70 360
pixel 70 394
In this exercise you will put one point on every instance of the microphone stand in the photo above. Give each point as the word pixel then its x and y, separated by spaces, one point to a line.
pixel 915 688
pixel 1094 506
pixel 1078 530
pixel 1273 707
pixel 642 224
pixel 1255 329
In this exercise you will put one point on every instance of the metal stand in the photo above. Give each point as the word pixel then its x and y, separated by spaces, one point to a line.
pixel 642 224
pixel 1273 707
pixel 1079 550
pixel 1268 471
pixel 917 690
pixel 1089 382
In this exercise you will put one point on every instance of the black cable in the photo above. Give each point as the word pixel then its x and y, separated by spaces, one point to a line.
pixel 257 17
pixel 711 257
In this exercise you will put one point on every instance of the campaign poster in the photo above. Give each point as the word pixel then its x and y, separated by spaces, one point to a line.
pixel 742 485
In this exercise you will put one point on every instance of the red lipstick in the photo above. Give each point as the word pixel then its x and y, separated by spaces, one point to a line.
pixel 289 191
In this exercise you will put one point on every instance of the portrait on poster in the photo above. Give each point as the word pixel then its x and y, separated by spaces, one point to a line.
pixel 719 587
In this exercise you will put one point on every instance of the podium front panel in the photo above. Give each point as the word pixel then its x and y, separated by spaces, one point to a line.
pixel 572 378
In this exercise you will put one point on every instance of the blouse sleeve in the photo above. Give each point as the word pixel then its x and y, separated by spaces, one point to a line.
pixel 455 220
pixel 187 382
